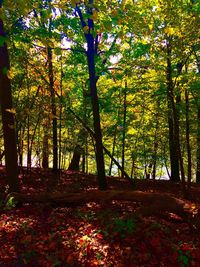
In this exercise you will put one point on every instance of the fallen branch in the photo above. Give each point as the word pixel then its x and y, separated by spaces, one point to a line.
pixel 154 204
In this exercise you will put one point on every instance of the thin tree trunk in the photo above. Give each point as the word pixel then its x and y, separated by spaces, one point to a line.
pixel 155 149
pixel 8 121
pixel 198 130
pixel 28 126
pixel 198 146
pixel 45 150
pixel 124 128
pixel 113 150
pixel 189 172
pixel 133 169
pixel 60 115
pixel 53 110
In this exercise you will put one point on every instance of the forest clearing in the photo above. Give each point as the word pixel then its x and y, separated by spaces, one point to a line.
pixel 99 133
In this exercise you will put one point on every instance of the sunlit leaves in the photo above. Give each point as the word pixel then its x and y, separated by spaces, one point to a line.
pixel 86 29
pixel 12 110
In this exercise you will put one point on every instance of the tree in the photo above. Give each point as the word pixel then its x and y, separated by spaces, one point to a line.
pixel 92 44
pixel 7 112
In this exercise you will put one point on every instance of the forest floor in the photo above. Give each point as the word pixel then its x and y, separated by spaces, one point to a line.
pixel 92 234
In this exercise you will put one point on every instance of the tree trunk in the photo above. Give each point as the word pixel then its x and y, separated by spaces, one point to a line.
pixel 174 162
pixel 189 172
pixel 8 121
pixel 154 204
pixel 53 110
pixel 95 102
pixel 154 158
pixel 198 130
pixel 124 128
pixel 198 146
pixel 155 149
pixel 45 151
pixel 75 162
pixel 174 159
pixel 174 131
pixel 113 150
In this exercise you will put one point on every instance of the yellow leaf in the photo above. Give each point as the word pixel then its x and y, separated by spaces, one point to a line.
pixel 12 110
pixel 132 131
pixel 74 3
pixel 10 74
pixel 52 116
pixel 169 30
pixel 94 15
pixel 150 26
pixel 86 29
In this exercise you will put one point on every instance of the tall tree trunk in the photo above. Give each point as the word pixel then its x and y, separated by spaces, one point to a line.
pixel 189 172
pixel 175 123
pixel 91 53
pixel 8 121
pixel 53 110
pixel 53 101
pixel 124 128
pixel 198 130
pixel 198 146
pixel 155 149
pixel 28 121
pixel 174 159
pixel 60 113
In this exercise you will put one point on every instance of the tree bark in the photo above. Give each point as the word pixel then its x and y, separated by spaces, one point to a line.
pixel 189 171
pixel 174 158
pixel 75 162
pixel 124 128
pixel 198 130
pixel 198 147
pixel 174 131
pixel 45 150
pixel 8 121
pixel 92 44
pixel 113 150
pixel 53 110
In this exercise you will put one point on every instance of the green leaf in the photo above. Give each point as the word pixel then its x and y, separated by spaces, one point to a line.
pixel 5 70
pixel 2 40
pixel 58 51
